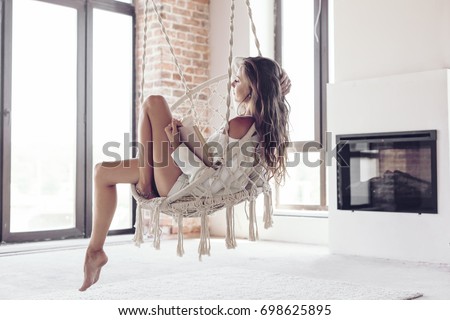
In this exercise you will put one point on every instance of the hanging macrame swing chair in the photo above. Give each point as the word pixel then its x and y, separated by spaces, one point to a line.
pixel 205 104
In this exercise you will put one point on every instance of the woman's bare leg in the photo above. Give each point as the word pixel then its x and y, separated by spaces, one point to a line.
pixel 146 183
pixel 155 117
pixel 156 167
pixel 107 175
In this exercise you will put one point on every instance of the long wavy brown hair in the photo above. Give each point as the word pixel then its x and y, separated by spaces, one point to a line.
pixel 271 112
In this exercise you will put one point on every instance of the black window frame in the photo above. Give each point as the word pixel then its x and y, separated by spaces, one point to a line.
pixel 84 163
pixel 320 101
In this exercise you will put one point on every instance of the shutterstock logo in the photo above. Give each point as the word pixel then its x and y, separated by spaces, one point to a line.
pixel 308 155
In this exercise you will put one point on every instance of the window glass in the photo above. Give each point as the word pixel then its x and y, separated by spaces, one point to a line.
pixel 298 60
pixel 43 116
pixel 302 186
pixel 112 97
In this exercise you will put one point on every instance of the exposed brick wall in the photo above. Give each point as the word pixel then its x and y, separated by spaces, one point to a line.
pixel 187 24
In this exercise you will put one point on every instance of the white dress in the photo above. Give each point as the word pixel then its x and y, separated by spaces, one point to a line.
pixel 232 175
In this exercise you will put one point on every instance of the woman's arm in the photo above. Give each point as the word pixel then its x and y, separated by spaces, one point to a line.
pixel 172 133
pixel 185 159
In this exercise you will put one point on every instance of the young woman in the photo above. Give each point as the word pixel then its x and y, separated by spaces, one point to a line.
pixel 259 86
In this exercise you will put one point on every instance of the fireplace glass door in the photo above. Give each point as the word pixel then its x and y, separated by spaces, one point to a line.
pixel 393 172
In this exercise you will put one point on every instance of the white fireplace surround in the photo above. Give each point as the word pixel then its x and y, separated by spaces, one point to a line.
pixel 415 101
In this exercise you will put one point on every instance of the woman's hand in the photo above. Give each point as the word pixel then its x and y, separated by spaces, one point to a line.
pixel 172 133
pixel 285 83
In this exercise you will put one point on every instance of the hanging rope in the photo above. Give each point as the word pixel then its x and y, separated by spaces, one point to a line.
pixel 192 109
pixel 141 98
pixel 230 62
pixel 166 37
pixel 180 70
pixel 317 21
pixel 250 15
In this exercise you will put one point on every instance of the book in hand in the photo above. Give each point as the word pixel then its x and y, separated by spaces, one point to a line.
pixel 191 136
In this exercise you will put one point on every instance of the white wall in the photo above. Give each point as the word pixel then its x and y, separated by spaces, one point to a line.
pixel 385 51
pixel 445 29
pixel 244 44
pixel 294 229
pixel 219 35
pixel 264 19
pixel 417 101
pixel 376 38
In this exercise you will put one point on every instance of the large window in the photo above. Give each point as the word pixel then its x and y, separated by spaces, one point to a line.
pixel 113 96
pixel 66 81
pixel 301 47
pixel 43 107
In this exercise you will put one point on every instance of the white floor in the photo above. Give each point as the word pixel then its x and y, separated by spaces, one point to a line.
pixel 33 269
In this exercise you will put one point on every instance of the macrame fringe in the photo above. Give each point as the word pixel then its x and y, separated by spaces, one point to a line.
pixel 230 239
pixel 180 246
pixel 138 232
pixel 205 245
pixel 156 230
pixel 268 209
pixel 253 225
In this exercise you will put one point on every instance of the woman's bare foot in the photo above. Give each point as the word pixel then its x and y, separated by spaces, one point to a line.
pixel 93 263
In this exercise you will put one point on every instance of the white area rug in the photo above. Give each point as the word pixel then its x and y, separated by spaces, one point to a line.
pixel 229 283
